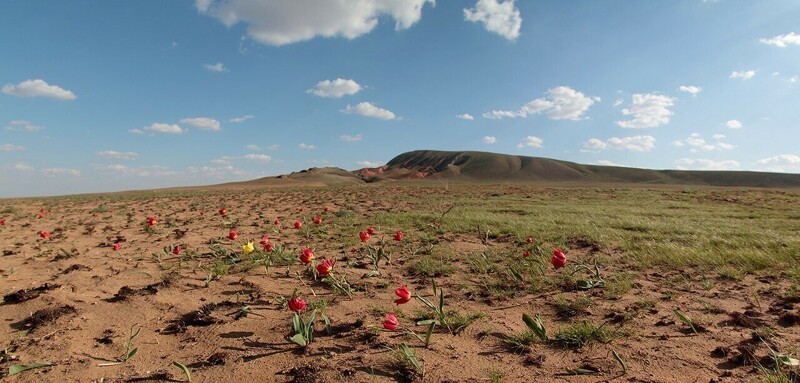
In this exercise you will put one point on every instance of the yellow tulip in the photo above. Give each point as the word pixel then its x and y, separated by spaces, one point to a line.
pixel 248 248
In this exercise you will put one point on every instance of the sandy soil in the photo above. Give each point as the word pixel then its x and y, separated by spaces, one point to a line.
pixel 71 300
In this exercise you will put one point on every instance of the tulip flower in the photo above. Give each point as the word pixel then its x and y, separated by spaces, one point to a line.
pixel 306 256
pixel 364 236
pixel 117 247
pixel 268 247
pixel 403 295
pixel 223 211
pixel 152 221
pixel 176 250
pixel 44 234
pixel 325 209
pixel 317 220
pixel 248 248
pixel 391 322
pixel 325 267
pixel 371 230
pixel 2 222
pixel 297 305
pixel 529 240
pixel 202 213
pixel 233 235
pixel 526 253
pixel 41 215
pixel 297 224
pixel 398 236
pixel 277 222
pixel 264 240
pixel 559 259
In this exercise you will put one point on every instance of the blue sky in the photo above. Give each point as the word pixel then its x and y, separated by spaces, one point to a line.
pixel 112 95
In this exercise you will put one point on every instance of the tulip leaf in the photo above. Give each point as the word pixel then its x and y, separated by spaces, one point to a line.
pixel 536 325
pixel 183 368
pixel 131 353
pixel 515 274
pixel 299 339
pixel 427 322
pixel 621 362
pixel 788 361
pixel 410 356
pixel 685 320
pixel 17 368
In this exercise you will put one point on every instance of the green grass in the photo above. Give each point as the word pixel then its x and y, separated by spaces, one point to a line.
pixel 579 334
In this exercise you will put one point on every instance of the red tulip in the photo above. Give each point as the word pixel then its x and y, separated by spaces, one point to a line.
pixel 41 215
pixel 398 236
pixel 264 240
pixel 325 267
pixel 391 322
pixel 117 246
pixel 176 250
pixel 223 211
pixel 529 240
pixel 44 234
pixel 297 305
pixel 233 235
pixel 403 295
pixel 268 247
pixel 152 221
pixel 202 213
pixel 325 209
pixel 277 222
pixel 526 253
pixel 297 224
pixel 306 256
pixel 364 236
pixel 371 230
pixel 2 222
pixel 559 259
pixel 317 220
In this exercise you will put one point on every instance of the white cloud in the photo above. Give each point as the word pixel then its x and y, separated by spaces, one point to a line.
pixel 648 111
pixel 336 88
pixel 144 171
pixel 706 164
pixel 561 103
pixel 253 147
pixel 349 138
pixel 369 164
pixel 531 142
pixel 694 90
pixel 281 22
pixel 157 127
pixel 61 171
pixel 216 172
pixel 369 110
pixel 632 143
pixel 465 116
pixel 38 88
pixel 744 75
pixel 306 146
pixel 241 119
pixel 696 142
pixel 22 126
pixel 781 163
pixel 273 147
pixel 21 167
pixel 618 102
pixel 258 157
pixel 11 148
pixel 224 160
pixel 202 123
pixel 502 18
pixel 608 163
pixel 783 41
pixel 113 154
pixel 135 131
pixel 489 139
pixel 734 124
pixel 218 67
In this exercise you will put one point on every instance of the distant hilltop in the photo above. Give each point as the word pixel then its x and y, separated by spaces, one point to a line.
pixel 469 166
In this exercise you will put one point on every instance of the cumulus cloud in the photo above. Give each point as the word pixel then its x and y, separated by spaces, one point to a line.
pixel 241 119
pixel 632 143
pixel 369 164
pixel 647 110
pixel 281 22
pixel 734 124
pixel 618 102
pixel 696 142
pixel 782 41
pixel 258 157
pixel 531 142
pixel 465 116
pixel 349 138
pixel 502 18
pixel 202 123
pixel 489 139
pixel 11 148
pixel 21 167
pixel 706 164
pixel 113 154
pixel 61 171
pixel 744 74
pixel 157 127
pixel 305 146
pixel 143 171
pixel 608 163
pixel 218 67
pixel 253 147
pixel 781 163
pixel 215 171
pixel 22 126
pixel 368 110
pixel 336 88
pixel 38 88
pixel 561 103
pixel 693 90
